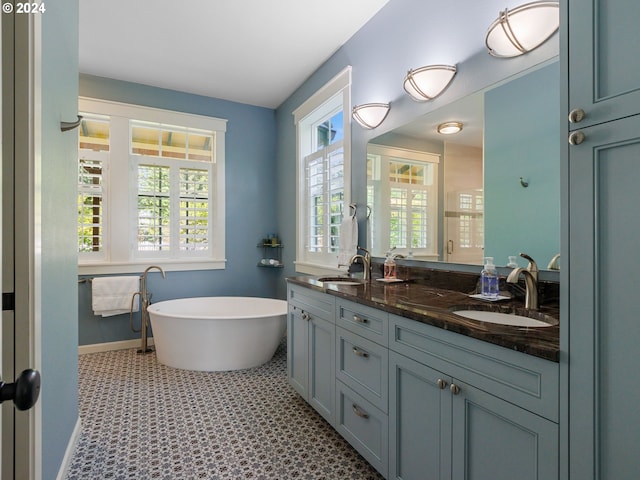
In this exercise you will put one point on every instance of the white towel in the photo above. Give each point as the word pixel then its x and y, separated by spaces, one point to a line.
pixel 112 295
pixel 348 244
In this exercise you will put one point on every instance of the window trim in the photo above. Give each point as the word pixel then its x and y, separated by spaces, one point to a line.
pixel 320 104
pixel 119 258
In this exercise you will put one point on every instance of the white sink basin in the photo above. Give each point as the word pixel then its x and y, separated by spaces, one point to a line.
pixel 502 318
pixel 340 280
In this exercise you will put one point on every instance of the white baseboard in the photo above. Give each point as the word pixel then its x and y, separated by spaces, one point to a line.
pixel 109 346
pixel 68 454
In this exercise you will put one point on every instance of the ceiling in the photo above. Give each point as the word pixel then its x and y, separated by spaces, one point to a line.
pixel 249 51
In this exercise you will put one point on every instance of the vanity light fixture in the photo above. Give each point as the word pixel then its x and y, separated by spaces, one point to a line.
pixel 426 83
pixel 370 115
pixel 449 128
pixel 522 29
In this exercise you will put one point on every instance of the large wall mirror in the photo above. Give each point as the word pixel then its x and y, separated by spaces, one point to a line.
pixel 492 189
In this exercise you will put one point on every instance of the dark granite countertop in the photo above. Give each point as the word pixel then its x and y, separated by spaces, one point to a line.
pixel 434 306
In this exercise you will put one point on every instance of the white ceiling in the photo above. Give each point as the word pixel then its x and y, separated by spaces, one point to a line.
pixel 250 51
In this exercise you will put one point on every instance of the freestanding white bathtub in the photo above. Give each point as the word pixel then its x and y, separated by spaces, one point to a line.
pixel 217 333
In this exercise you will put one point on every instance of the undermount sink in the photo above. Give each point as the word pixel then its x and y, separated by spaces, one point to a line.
pixel 516 318
pixel 341 280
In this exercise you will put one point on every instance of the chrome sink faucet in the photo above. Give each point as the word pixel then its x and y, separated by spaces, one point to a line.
pixel 531 282
pixel 366 262
pixel 532 267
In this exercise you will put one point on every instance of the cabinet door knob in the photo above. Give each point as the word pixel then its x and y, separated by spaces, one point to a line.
pixel 455 389
pixel 576 115
pixel 441 384
pixel 359 412
pixel 576 138
pixel 305 316
pixel 359 352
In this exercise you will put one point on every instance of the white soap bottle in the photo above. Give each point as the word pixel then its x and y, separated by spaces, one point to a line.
pixel 489 279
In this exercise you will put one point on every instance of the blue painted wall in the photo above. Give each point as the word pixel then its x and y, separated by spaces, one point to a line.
pixel 58 218
pixel 405 34
pixel 251 183
pixel 522 139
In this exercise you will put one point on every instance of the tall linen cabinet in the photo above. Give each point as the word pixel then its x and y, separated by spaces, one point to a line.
pixel 601 239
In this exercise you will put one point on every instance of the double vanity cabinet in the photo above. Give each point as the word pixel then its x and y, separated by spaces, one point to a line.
pixel 417 400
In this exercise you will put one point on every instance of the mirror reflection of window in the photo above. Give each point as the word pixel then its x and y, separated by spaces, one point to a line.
pixel 403 191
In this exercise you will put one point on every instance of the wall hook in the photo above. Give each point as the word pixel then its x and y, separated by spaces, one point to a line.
pixel 66 126
pixel 524 183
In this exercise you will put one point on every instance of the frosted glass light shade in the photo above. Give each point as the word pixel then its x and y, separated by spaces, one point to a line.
pixel 370 115
pixel 449 128
pixel 522 29
pixel 428 82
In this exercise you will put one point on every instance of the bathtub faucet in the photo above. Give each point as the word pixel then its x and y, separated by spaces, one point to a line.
pixel 145 298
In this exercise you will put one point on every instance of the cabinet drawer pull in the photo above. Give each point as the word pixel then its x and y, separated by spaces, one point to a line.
pixel 358 319
pixel 360 353
pixel 441 384
pixel 359 412
pixel 455 389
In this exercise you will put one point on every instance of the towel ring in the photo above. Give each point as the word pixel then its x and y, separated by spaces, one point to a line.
pixel 355 208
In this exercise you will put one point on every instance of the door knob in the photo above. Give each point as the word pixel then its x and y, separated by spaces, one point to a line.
pixel 24 392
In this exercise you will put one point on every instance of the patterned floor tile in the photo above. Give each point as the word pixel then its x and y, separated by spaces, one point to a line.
pixel 142 420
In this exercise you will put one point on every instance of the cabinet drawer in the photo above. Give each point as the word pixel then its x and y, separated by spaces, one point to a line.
pixel 364 426
pixel 315 303
pixel 363 365
pixel 363 320
pixel 524 380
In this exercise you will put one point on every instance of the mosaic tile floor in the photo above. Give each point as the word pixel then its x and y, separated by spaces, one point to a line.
pixel 142 420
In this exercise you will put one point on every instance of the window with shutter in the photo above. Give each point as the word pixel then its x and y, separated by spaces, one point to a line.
pixel 150 186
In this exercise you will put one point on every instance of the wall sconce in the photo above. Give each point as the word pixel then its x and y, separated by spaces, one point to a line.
pixel 428 82
pixel 370 115
pixel 522 29
pixel 449 128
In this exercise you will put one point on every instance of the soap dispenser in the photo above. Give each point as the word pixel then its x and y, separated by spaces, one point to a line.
pixel 389 266
pixel 489 279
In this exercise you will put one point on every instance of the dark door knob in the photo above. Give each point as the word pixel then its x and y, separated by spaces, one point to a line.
pixel 24 392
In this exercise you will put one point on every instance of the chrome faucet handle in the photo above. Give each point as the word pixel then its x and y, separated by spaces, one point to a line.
pixel 532 266
pixel 553 263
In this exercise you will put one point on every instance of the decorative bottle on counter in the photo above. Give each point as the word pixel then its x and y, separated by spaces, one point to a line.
pixel 489 279
pixel 389 267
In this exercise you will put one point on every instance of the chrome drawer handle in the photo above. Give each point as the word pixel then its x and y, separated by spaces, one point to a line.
pixel 360 353
pixel 359 412
pixel 358 319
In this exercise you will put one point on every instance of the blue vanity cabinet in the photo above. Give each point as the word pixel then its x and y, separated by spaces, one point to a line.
pixel 600 347
pixel 461 408
pixel 419 421
pixel 604 356
pixel 604 78
pixel 311 348
pixel 362 386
